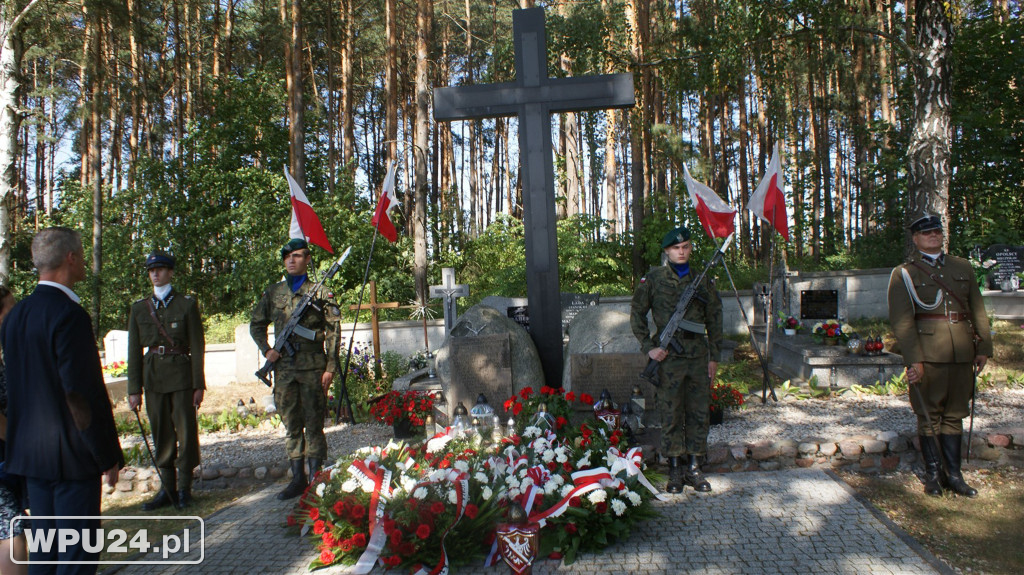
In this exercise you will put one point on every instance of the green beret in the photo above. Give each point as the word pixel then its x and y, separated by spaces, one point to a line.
pixel 676 236
pixel 292 245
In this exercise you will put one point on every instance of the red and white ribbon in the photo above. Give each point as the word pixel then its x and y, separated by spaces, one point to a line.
pixel 585 481
pixel 630 463
pixel 375 479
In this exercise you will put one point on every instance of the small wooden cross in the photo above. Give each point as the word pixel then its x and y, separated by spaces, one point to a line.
pixel 374 306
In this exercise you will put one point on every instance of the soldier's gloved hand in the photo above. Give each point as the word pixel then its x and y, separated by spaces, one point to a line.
pixel 134 401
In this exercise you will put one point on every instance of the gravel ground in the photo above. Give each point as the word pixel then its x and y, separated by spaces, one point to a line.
pixel 836 418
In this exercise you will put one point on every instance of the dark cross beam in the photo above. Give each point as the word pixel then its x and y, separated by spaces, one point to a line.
pixel 533 97
pixel 374 306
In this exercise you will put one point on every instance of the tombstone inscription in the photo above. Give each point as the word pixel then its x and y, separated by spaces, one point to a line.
pixel 617 372
pixel 819 304
pixel 574 303
pixel 480 364
pixel 1006 262
pixel 533 97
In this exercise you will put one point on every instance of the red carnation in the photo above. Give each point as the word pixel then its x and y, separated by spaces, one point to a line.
pixel 567 466
pixel 318 526
pixel 525 392
pixel 509 402
pixel 393 561
pixel 560 422
pixel 396 537
pixel 326 557
pixel 406 549
pixel 601 507
pixel 357 511
pixel 574 502
pixel 570 528
pixel 329 539
pixel 545 390
pixel 552 466
pixel 437 508
pixel 359 540
pixel 517 409
pixel 339 508
pixel 586 398
pixel 314 513
pixel 571 396
pixel 423 531
pixel 471 511
pixel 346 545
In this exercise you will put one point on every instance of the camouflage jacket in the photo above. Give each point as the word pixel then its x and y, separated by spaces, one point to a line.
pixel 277 305
pixel 658 292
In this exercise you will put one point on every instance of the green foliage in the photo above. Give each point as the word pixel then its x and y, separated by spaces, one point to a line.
pixel 220 328
pixel 231 420
pixel 895 385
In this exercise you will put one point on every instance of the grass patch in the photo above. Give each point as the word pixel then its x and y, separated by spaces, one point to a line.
pixel 972 535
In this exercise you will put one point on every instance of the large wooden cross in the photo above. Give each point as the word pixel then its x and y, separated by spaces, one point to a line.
pixel 374 306
pixel 533 97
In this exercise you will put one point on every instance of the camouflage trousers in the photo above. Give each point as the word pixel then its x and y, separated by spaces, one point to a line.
pixel 683 401
pixel 300 401
pixel 946 390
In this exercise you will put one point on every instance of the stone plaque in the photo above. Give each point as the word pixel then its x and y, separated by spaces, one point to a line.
pixel 617 372
pixel 1005 262
pixel 480 364
pixel 521 315
pixel 573 303
pixel 819 304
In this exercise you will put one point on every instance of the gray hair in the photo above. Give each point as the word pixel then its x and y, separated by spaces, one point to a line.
pixel 52 245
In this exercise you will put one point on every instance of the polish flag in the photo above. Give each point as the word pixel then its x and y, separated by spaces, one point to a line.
pixel 717 217
pixel 305 224
pixel 380 219
pixel 768 202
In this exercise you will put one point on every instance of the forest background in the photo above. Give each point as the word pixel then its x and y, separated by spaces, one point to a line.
pixel 166 124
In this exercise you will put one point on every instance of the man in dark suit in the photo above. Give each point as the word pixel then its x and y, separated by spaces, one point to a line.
pixel 60 426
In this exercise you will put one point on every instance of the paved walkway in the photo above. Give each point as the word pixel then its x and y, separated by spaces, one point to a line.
pixel 801 520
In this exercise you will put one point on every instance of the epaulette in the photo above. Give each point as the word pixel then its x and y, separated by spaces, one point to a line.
pixel 140 300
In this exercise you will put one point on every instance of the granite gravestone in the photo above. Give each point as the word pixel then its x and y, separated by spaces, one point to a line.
pixel 573 303
pixel 1005 262
pixel 533 97
pixel 483 364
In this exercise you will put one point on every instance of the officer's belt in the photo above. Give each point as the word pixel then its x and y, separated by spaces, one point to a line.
pixel 167 350
pixel 951 317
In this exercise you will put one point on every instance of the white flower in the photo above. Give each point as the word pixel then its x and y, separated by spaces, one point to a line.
pixel 634 498
pixel 320 489
pixel 486 493
pixel 481 477
pixel 408 483
pixel 420 493
pixel 461 466
pixel 531 431
pixel 437 444
pixel 557 480
pixel 436 475
pixel 525 484
pixel 551 486
pixel 522 473
pixel 597 496
pixel 513 493
pixel 452 496
pixel 548 456
pixel 560 455
pixel 540 444
pixel 350 485
pixel 565 490
pixel 584 461
pixel 618 506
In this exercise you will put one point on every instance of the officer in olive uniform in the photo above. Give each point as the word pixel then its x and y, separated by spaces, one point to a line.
pixel 301 381
pixel 165 358
pixel 938 316
pixel 684 396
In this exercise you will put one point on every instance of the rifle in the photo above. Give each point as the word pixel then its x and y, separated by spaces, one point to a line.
pixel 667 338
pixel 282 345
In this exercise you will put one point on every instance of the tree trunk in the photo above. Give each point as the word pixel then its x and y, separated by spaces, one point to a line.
pixel 293 71
pixel 10 122
pixel 929 150
pixel 96 166
pixel 391 83
pixel 424 17
pixel 348 125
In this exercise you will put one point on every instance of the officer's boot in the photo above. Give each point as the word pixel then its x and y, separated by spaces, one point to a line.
pixel 675 475
pixel 298 484
pixel 315 465
pixel 184 489
pixel 932 465
pixel 167 495
pixel 951 453
pixel 693 477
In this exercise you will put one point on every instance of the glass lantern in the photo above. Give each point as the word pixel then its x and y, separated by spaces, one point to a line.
pixel 460 420
pixel 543 420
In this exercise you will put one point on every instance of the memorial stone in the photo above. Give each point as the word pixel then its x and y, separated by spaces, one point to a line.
pixel 533 97
pixel 1005 263
pixel 819 304
pixel 482 365
pixel 573 303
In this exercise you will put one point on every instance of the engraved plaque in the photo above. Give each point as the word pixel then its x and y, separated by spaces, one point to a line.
pixel 481 364
pixel 819 304
pixel 573 303
pixel 617 372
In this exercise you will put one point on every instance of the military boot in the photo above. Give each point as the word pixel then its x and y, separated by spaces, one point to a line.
pixel 166 496
pixel 298 483
pixel 693 476
pixel 951 453
pixel 675 475
pixel 932 467
pixel 315 465
pixel 184 490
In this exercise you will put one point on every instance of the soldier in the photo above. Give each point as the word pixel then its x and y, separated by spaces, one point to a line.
pixel 938 316
pixel 685 392
pixel 301 381
pixel 165 358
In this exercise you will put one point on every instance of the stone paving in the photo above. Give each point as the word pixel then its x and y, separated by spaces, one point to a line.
pixel 758 522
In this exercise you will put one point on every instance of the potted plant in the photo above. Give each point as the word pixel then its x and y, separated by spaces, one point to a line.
pixel 405 410
pixel 830 332
pixel 788 324
pixel 723 396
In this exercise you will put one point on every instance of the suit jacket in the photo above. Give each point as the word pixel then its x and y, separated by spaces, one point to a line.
pixel 168 372
pixel 60 424
pixel 939 340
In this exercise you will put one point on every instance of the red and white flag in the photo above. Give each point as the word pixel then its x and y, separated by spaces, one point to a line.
pixel 768 202
pixel 388 200
pixel 305 224
pixel 717 217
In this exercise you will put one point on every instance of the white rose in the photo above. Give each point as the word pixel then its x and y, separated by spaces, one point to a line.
pixel 618 506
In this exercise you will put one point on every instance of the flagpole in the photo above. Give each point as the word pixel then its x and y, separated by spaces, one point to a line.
pixel 769 302
pixel 766 382
pixel 352 336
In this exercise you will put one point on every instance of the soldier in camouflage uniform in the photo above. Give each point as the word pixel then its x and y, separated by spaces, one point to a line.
pixel 301 381
pixel 165 358
pixel 683 399
pixel 938 316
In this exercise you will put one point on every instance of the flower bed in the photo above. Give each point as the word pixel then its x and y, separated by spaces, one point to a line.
pixel 439 503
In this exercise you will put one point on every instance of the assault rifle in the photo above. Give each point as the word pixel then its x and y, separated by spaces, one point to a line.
pixel 667 339
pixel 282 345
